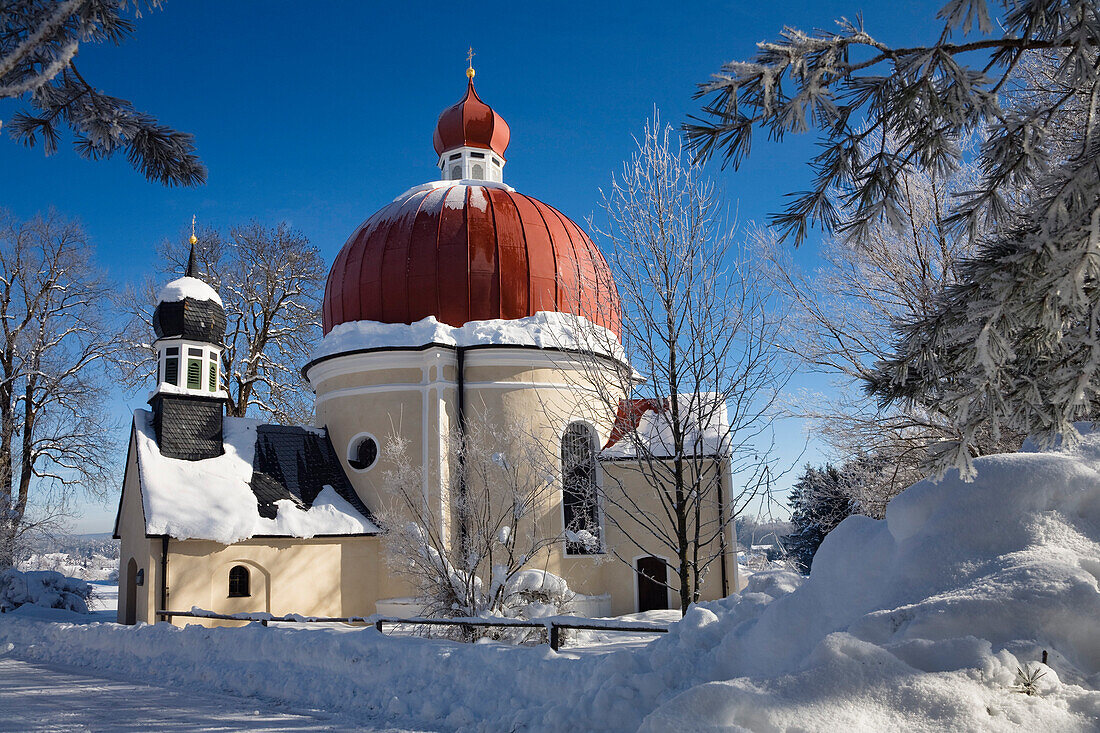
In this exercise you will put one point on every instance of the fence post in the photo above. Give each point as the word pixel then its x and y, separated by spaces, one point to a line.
pixel 263 621
pixel 555 636
pixel 378 625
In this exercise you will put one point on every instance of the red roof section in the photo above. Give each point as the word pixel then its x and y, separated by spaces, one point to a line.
pixel 471 123
pixel 468 253
pixel 629 416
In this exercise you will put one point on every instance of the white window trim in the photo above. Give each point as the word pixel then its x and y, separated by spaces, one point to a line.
pixel 209 353
pixel 354 442
pixel 492 164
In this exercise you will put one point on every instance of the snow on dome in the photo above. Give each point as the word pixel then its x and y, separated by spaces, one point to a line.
pixel 188 287
pixel 212 499
pixel 544 330
pixel 435 185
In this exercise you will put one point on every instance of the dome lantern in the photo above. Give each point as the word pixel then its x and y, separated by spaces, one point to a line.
pixel 470 139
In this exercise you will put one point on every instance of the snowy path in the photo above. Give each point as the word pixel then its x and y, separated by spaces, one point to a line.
pixel 35 697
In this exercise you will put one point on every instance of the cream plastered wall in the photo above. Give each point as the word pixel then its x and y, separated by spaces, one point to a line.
pixel 543 391
pixel 134 545
pixel 630 540
pixel 321 576
pixel 324 576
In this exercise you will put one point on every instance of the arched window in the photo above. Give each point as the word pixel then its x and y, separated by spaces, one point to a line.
pixel 479 172
pixel 580 496
pixel 456 173
pixel 238 582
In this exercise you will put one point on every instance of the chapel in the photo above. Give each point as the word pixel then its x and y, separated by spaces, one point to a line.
pixel 461 297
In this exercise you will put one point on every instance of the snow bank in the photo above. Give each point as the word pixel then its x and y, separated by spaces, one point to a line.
pixel 188 287
pixel 916 622
pixel 545 329
pixel 212 499
pixel 45 588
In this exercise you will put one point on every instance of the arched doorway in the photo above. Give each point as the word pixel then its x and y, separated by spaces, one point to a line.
pixel 129 599
pixel 652 576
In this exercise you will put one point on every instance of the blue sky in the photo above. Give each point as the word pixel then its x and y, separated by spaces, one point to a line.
pixel 319 113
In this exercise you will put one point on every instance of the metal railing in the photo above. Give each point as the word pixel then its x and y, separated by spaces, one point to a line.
pixel 552 624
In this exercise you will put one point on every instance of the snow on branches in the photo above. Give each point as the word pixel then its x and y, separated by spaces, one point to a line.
pixel 1014 342
pixel 39 40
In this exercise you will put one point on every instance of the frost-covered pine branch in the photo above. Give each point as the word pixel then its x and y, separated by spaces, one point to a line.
pixel 843 315
pixel 1012 345
pixel 39 40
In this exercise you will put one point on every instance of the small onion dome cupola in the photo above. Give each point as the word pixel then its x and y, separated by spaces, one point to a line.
pixel 470 139
pixel 189 322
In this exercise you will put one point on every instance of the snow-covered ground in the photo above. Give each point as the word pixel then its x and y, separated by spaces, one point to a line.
pixel 36 697
pixel 925 621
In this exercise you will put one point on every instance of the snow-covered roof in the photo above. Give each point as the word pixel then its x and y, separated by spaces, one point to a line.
pixel 220 498
pixel 188 287
pixel 545 329
pixel 648 422
pixel 433 185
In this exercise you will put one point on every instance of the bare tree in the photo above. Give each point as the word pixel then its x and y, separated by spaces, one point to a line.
pixel 843 319
pixel 700 336
pixel 54 436
pixel 270 280
pixel 39 40
pixel 465 560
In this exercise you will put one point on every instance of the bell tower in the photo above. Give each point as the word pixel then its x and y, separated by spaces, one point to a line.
pixel 189 402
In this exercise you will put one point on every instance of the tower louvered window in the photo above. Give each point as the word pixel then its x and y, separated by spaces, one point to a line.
pixel 194 374
pixel 213 384
pixel 172 365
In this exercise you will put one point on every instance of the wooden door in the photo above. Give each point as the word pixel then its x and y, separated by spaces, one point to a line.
pixel 129 598
pixel 651 576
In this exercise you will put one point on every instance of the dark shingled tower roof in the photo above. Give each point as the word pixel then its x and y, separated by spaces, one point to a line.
pixel 195 320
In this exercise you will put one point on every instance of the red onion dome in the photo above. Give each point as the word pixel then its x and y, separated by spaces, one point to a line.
pixel 468 253
pixel 471 123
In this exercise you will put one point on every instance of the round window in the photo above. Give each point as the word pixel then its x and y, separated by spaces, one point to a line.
pixel 363 452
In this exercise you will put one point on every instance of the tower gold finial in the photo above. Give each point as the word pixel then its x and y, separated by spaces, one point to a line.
pixel 470 63
pixel 194 239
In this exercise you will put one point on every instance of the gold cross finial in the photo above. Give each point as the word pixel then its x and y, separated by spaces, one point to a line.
pixel 194 239
pixel 470 63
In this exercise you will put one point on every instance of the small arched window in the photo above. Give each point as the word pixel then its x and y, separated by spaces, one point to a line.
pixel 580 496
pixel 456 173
pixel 238 582
pixel 479 172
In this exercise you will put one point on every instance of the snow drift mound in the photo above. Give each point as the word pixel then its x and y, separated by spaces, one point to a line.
pixel 46 588
pixel 920 620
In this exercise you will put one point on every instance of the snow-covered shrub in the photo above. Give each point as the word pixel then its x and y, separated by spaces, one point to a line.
pixel 43 588
pixel 475 564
